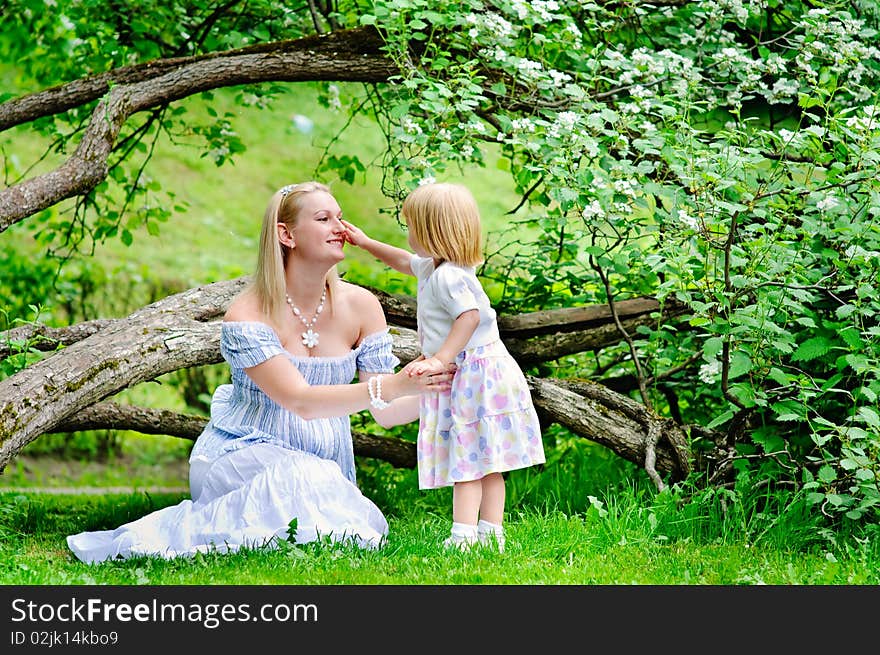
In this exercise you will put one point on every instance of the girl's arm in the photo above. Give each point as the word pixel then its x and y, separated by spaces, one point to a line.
pixel 459 335
pixel 282 382
pixel 399 412
pixel 396 258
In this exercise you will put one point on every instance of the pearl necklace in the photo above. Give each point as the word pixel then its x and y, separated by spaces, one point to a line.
pixel 309 337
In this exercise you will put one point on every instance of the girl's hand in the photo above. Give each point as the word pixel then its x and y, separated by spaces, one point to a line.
pixel 426 366
pixel 354 235
pixel 426 383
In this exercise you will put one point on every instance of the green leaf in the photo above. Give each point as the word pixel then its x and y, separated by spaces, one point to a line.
pixel 869 416
pixel 811 349
pixel 740 364
pixel 711 348
pixel 827 474
pixel 789 410
pixel 848 464
pixel 844 311
pixel 815 498
pixel 832 382
pixel 780 377
pixel 868 394
pixel 806 101
pixel 720 419
pixel 852 338
pixel 858 363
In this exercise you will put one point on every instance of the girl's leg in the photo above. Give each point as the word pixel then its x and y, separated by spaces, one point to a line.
pixel 492 510
pixel 466 498
pixel 492 500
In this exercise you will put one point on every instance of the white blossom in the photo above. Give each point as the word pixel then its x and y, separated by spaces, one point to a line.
pixel 592 210
pixel 688 220
pixel 558 77
pixel 522 125
pixel 333 93
pixel 709 371
pixel 828 202
pixel 410 126
pixel 625 187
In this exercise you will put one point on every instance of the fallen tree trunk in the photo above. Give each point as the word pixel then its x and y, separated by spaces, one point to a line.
pixel 67 390
pixel 107 415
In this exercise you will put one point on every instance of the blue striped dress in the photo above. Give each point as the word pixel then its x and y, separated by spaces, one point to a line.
pixel 257 466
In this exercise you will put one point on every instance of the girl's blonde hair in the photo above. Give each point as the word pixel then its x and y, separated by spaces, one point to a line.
pixel 444 219
pixel 268 283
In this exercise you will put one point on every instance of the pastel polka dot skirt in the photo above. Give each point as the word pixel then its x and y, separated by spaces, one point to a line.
pixel 486 423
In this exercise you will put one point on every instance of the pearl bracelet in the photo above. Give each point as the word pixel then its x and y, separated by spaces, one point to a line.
pixel 374 386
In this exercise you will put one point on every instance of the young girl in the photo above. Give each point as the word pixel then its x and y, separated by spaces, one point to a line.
pixel 486 424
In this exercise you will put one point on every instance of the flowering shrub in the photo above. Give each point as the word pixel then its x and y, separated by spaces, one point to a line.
pixel 722 153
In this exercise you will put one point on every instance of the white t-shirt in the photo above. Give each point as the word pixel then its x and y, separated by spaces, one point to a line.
pixel 444 294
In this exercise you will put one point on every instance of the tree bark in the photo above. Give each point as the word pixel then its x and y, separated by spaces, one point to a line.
pixel 168 335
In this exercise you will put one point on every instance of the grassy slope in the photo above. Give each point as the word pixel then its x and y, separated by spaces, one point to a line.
pixel 216 237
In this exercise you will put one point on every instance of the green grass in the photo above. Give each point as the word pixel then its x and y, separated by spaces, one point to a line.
pixel 624 534
pixel 586 519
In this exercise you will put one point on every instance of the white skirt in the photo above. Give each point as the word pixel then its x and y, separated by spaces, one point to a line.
pixel 246 498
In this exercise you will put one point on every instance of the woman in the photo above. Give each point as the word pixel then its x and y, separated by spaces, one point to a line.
pixel 278 446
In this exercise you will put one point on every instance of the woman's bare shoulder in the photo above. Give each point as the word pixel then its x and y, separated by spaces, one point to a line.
pixel 357 295
pixel 362 306
pixel 244 307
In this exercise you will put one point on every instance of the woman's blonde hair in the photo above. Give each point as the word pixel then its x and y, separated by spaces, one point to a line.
pixel 268 282
pixel 444 219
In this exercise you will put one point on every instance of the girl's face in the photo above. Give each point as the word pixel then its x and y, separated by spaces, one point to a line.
pixel 319 232
pixel 414 245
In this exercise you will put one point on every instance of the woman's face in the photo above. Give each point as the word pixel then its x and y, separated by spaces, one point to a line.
pixel 318 232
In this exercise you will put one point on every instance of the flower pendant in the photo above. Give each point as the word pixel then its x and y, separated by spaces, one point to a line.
pixel 310 338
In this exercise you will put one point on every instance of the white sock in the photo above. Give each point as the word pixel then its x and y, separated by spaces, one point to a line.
pixel 464 532
pixel 462 535
pixel 487 532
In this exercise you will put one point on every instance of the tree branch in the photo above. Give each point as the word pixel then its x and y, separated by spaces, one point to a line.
pixel 362 44
pixel 302 60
